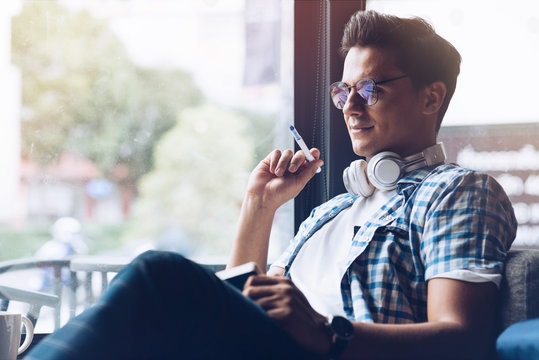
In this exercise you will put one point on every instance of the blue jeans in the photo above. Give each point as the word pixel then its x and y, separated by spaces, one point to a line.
pixel 163 306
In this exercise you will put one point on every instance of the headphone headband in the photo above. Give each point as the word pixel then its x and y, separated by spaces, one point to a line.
pixel 433 155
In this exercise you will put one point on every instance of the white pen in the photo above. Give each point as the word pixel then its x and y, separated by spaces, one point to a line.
pixel 303 146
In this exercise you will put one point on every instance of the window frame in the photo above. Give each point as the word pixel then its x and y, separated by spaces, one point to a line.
pixel 318 29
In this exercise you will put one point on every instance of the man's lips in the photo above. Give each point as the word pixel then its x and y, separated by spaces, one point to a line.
pixel 358 129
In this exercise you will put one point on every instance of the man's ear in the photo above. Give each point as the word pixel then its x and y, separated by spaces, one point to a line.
pixel 434 97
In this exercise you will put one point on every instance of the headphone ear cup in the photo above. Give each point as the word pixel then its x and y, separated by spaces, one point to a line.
pixel 355 179
pixel 385 170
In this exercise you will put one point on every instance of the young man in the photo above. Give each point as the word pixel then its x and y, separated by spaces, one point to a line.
pixel 409 270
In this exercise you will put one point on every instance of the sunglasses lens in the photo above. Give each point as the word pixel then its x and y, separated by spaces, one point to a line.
pixel 339 94
pixel 367 90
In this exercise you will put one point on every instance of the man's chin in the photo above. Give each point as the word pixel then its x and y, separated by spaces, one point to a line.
pixel 363 151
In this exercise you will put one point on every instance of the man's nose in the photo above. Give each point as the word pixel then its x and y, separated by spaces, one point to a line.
pixel 354 104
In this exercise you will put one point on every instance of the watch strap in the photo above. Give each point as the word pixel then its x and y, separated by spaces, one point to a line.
pixel 342 332
pixel 337 347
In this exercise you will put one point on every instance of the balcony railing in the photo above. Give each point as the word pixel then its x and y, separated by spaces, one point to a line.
pixel 72 285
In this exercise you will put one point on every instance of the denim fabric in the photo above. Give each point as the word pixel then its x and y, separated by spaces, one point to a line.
pixel 163 306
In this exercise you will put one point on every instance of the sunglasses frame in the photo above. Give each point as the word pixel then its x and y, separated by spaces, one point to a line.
pixel 342 86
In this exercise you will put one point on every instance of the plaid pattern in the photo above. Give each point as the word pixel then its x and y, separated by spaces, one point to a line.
pixel 439 220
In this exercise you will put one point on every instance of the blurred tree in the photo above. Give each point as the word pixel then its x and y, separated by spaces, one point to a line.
pixel 195 187
pixel 261 129
pixel 82 94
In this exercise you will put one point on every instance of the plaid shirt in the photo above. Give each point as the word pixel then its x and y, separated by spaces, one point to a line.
pixel 439 220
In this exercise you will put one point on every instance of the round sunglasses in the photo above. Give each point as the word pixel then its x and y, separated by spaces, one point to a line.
pixel 366 89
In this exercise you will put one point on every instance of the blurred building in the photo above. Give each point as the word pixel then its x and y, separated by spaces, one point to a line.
pixel 510 153
pixel 70 186
pixel 10 101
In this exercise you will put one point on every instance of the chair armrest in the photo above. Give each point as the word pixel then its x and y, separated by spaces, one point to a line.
pixel 520 287
pixel 27 296
pixel 32 263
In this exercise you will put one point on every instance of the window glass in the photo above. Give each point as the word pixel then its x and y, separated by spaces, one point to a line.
pixel 129 125
pixel 489 125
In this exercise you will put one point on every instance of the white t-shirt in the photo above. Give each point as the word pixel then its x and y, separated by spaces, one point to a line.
pixel 329 247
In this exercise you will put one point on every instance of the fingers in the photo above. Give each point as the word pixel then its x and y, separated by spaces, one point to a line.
pixel 277 295
pixel 259 286
pixel 265 280
pixel 286 304
pixel 281 162
pixel 297 161
pixel 270 292
pixel 315 153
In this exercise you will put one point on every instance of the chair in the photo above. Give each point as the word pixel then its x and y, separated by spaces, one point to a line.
pixel 65 276
pixel 105 268
pixel 519 291
pixel 34 300
pixel 519 288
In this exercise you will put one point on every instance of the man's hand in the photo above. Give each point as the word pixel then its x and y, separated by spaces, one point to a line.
pixel 289 308
pixel 281 176
pixel 277 179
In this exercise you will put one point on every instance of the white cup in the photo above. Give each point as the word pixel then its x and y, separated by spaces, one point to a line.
pixel 10 335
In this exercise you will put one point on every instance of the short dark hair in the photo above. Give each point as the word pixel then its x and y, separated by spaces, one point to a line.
pixel 420 52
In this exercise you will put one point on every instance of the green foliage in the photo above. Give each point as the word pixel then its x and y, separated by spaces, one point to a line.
pixel 103 237
pixel 82 94
pixel 201 169
pixel 261 129
pixel 22 242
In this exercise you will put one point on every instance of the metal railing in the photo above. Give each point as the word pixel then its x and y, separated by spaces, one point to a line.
pixel 76 284
pixel 34 299
pixel 64 274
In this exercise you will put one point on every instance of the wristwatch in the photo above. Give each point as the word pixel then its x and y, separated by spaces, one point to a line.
pixel 341 331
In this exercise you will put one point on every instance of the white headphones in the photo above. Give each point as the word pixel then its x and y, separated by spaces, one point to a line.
pixel 384 170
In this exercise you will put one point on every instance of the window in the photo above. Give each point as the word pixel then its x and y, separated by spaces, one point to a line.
pixel 133 125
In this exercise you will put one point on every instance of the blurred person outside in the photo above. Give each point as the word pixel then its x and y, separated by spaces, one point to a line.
pixel 67 241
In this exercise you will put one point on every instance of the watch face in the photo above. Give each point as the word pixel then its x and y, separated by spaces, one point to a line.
pixel 342 327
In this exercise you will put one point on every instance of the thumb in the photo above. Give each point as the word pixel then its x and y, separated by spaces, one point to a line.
pixel 310 170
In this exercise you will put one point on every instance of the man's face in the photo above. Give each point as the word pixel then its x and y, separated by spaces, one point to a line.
pixel 396 122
